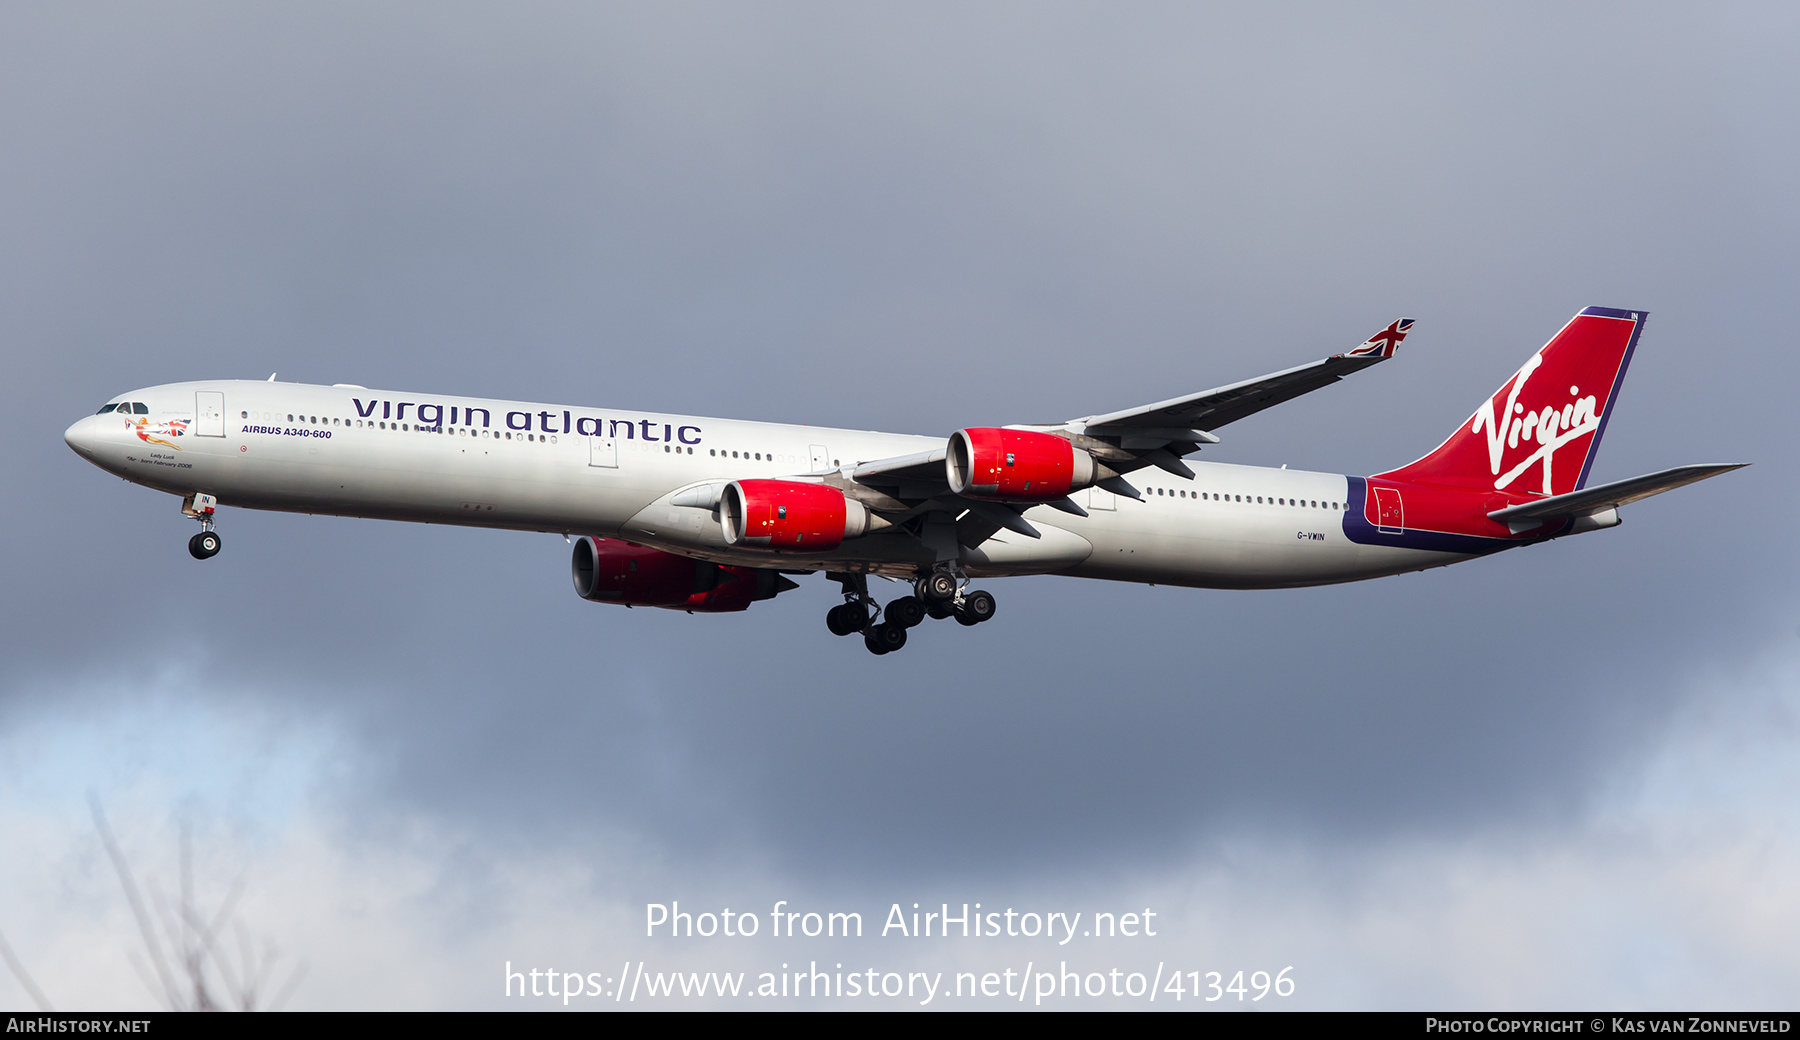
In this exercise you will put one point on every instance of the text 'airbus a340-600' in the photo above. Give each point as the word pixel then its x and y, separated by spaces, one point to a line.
pixel 711 515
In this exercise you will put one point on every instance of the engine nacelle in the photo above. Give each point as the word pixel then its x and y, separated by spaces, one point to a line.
pixel 1015 465
pixel 789 516
pixel 610 571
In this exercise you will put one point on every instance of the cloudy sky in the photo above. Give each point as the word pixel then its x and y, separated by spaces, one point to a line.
pixel 1562 777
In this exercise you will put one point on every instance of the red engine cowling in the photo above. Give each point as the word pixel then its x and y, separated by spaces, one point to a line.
pixel 610 571
pixel 1015 465
pixel 788 515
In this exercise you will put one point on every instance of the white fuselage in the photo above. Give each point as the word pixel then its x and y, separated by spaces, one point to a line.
pixel 350 451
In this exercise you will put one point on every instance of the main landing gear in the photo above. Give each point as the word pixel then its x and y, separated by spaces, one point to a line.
pixel 206 544
pixel 938 595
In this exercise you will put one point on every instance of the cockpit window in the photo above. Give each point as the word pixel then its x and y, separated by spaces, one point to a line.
pixel 139 408
pixel 106 409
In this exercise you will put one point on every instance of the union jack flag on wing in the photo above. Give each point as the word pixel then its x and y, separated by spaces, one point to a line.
pixel 1382 344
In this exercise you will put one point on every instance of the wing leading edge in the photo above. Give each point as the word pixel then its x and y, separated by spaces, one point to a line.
pixel 1210 409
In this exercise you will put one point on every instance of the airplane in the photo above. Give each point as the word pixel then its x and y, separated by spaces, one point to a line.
pixel 711 515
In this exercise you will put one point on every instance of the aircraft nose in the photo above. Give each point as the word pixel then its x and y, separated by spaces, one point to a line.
pixel 84 435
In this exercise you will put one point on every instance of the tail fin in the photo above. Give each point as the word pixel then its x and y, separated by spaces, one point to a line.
pixel 1538 433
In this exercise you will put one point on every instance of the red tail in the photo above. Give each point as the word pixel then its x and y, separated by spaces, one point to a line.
pixel 1539 432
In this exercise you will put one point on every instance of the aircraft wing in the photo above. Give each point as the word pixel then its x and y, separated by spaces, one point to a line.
pixel 1151 435
pixel 1211 409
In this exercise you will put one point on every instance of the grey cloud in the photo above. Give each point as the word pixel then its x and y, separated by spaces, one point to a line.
pixel 909 219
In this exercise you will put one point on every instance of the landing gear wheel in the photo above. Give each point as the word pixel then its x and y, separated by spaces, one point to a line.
pixel 845 619
pixel 939 587
pixel 905 612
pixel 976 607
pixel 204 546
pixel 941 610
pixel 885 638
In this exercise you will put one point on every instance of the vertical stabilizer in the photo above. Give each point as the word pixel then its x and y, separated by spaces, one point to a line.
pixel 1538 433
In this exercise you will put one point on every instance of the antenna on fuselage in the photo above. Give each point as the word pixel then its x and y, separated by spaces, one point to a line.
pixel 271 377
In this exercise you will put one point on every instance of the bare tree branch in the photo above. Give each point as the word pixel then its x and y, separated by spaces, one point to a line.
pixel 24 977
pixel 192 940
pixel 293 983
pixel 137 903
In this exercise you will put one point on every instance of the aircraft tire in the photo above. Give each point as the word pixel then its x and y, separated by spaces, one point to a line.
pixel 844 619
pixel 204 546
pixel 939 587
pixel 906 612
pixel 976 607
pixel 885 638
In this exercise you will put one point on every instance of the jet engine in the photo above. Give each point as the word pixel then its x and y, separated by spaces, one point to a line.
pixel 789 515
pixel 607 570
pixel 1016 465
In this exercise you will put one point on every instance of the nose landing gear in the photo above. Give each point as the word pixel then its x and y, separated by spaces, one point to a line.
pixel 206 544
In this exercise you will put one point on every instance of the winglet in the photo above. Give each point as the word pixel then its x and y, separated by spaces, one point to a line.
pixel 1383 343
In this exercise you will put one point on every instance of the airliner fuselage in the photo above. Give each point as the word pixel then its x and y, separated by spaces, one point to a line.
pixel 1114 500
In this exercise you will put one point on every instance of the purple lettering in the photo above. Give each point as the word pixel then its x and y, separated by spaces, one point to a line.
pixel 401 414
pixel 630 430
pixel 361 413
pixel 469 416
pixel 645 423
pixel 682 434
pixel 436 418
pixel 582 427
pixel 511 425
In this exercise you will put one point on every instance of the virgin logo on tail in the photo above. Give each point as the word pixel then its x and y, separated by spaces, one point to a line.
pixel 1550 428
pixel 1559 400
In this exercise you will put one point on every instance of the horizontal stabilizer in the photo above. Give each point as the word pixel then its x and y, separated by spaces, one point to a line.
pixel 1608 496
